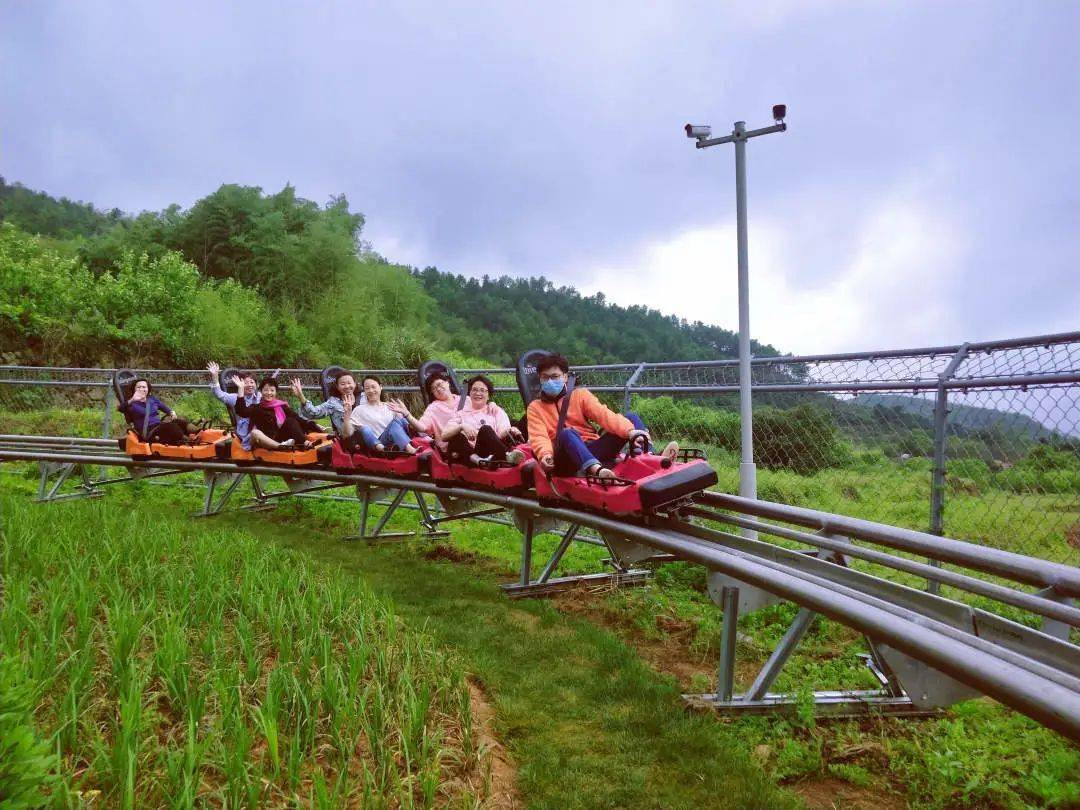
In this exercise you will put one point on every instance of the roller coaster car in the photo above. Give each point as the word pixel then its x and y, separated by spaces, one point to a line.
pixel 644 483
pixel 204 446
pixel 495 475
pixel 234 451
pixel 389 462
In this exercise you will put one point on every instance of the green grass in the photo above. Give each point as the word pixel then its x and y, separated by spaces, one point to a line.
pixel 172 663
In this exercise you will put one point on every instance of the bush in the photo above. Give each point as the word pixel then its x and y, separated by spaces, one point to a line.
pixel 803 439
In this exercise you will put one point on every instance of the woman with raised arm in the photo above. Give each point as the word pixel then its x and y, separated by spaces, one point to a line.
pixel 372 423
pixel 153 418
pixel 334 408
pixel 274 424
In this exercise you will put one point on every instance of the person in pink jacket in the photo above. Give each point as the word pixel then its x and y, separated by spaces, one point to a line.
pixel 437 415
pixel 481 430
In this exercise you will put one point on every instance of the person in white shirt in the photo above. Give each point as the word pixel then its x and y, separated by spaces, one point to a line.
pixel 373 423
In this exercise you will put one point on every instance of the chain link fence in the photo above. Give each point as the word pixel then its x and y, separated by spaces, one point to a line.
pixel 978 441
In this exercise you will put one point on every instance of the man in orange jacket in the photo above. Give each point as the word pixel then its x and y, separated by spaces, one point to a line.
pixel 578 449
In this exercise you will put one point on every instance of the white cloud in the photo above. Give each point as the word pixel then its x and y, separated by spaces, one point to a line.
pixel 892 285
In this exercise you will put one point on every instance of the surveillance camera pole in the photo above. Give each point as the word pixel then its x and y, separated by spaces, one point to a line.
pixel 739 136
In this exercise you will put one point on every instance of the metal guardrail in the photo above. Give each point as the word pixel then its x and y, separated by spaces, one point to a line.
pixel 977 439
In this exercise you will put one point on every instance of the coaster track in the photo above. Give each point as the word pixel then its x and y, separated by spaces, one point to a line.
pixel 939 649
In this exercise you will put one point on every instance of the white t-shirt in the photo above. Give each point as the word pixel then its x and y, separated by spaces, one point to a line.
pixel 377 417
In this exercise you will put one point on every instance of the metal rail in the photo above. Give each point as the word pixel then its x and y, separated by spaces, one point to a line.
pixel 938 632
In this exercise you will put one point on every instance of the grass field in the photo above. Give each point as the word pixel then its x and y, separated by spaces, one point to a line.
pixel 166 663
pixel 585 687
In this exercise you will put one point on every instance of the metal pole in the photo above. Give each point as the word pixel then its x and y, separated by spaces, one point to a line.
pixel 747 470
pixel 106 423
pixel 725 682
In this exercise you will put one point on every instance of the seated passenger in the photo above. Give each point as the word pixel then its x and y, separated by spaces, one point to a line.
pixel 274 424
pixel 580 449
pixel 374 424
pixel 344 385
pixel 146 412
pixel 437 415
pixel 482 430
pixel 245 383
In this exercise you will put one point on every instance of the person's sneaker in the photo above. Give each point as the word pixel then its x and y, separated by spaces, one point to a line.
pixel 287 443
pixel 671 451
pixel 411 449
pixel 604 472
pixel 515 457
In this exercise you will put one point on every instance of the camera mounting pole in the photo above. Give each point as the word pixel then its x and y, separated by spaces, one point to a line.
pixel 739 136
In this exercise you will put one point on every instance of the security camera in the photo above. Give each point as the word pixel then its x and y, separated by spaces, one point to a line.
pixel 700 132
pixel 779 112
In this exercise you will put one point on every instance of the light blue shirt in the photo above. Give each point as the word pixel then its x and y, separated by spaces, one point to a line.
pixel 243 423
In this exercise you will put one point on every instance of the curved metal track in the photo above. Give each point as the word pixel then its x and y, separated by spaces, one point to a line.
pixel 1035 673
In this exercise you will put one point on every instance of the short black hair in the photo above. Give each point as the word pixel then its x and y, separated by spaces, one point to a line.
pixel 370 377
pixel 268 381
pixel 433 378
pixel 480 378
pixel 245 375
pixel 334 390
pixel 553 359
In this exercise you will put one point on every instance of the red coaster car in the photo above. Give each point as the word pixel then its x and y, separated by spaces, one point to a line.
pixel 643 482
pixel 204 446
pixel 494 475
pixel 389 462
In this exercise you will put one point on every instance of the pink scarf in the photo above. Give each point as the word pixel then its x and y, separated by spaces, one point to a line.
pixel 279 409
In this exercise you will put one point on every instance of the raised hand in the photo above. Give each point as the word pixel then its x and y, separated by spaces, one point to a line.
pixel 398 407
pixel 297 387
pixel 214 370
pixel 238 382
pixel 347 402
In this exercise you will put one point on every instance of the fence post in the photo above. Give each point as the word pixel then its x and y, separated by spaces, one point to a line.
pixel 937 482
pixel 106 422
pixel 629 384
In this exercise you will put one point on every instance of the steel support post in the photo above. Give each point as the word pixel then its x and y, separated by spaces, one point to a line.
pixel 387 514
pixel 106 422
pixel 567 539
pixel 427 520
pixel 526 552
pixel 937 483
pixel 747 469
pixel 725 682
pixel 795 632
pixel 365 502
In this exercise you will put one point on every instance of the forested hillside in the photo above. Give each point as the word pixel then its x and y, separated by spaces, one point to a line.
pixel 275 279
pixel 497 318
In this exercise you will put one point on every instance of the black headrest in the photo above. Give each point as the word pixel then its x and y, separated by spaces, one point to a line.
pixel 528 379
pixel 327 377
pixel 225 380
pixel 436 367
pixel 123 381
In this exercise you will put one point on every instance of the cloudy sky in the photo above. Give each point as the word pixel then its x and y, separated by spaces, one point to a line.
pixel 925 192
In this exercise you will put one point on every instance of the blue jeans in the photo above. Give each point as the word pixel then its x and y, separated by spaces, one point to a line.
pixel 574 455
pixel 395 436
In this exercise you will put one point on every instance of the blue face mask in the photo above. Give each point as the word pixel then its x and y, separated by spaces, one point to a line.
pixel 552 387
